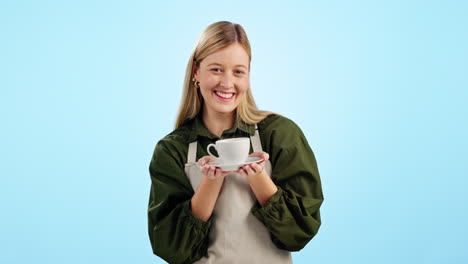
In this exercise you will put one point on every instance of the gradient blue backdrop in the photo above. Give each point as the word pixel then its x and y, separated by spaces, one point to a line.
pixel 378 87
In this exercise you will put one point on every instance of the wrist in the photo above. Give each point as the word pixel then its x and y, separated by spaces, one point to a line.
pixel 212 181
pixel 263 187
pixel 259 177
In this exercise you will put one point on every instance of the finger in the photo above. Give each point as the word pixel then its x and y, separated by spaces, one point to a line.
pixel 204 170
pixel 261 154
pixel 202 161
pixel 249 170
pixel 256 154
pixel 260 163
pixel 221 173
pixel 217 173
pixel 242 172
pixel 211 171
pixel 257 167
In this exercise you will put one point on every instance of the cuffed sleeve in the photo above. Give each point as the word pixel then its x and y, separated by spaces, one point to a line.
pixel 292 221
pixel 176 235
pixel 292 215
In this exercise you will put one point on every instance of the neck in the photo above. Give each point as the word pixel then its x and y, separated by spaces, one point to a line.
pixel 216 123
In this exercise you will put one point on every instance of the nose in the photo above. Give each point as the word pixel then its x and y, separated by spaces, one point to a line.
pixel 227 81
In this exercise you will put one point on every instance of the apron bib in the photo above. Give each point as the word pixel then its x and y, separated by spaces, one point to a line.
pixel 236 236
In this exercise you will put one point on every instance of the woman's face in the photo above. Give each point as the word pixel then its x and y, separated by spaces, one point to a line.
pixel 224 78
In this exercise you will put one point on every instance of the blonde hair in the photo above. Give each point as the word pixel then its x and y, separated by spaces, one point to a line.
pixel 216 37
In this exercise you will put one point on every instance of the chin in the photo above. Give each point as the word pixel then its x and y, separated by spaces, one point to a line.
pixel 225 111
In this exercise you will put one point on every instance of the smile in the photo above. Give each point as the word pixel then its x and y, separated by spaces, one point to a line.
pixel 225 97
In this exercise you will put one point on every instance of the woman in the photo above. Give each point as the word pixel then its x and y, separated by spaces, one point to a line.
pixel 198 213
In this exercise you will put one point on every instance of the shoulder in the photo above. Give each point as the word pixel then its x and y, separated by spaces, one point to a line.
pixel 279 125
pixel 174 144
pixel 279 133
pixel 175 139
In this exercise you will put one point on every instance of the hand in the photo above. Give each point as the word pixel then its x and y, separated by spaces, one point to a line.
pixel 209 171
pixel 255 168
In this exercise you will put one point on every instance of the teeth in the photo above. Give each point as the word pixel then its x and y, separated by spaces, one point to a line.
pixel 224 95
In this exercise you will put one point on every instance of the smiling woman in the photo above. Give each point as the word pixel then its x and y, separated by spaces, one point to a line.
pixel 257 214
pixel 223 81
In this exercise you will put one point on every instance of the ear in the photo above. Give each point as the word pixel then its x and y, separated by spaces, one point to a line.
pixel 196 70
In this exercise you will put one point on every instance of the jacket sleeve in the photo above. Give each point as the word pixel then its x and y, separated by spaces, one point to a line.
pixel 292 215
pixel 176 235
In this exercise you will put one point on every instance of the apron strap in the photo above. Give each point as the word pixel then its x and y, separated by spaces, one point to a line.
pixel 256 144
pixel 192 152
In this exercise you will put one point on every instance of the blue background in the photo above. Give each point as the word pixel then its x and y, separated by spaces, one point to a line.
pixel 378 87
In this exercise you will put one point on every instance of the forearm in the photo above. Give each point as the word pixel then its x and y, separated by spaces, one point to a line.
pixel 263 187
pixel 204 199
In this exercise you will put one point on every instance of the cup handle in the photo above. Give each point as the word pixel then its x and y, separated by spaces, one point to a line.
pixel 208 149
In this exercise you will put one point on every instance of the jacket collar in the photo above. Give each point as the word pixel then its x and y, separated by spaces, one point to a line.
pixel 198 128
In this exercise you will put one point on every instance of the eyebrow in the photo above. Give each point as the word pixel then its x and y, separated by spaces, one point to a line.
pixel 238 65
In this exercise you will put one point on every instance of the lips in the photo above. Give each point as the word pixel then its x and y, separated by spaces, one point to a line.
pixel 224 96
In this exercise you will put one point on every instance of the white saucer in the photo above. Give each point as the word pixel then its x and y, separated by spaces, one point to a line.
pixel 234 167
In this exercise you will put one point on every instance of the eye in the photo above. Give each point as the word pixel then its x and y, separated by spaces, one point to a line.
pixel 215 69
pixel 240 72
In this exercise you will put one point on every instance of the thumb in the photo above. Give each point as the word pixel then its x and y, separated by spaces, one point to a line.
pixel 202 161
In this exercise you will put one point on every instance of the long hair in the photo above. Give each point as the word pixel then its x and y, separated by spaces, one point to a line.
pixel 214 38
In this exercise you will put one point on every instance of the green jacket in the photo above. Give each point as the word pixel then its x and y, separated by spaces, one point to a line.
pixel 292 215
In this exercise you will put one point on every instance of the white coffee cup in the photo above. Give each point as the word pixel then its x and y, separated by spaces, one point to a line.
pixel 231 150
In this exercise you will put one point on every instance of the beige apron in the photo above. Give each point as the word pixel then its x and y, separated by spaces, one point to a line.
pixel 236 236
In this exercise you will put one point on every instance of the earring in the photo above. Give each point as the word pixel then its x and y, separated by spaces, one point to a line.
pixel 197 84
